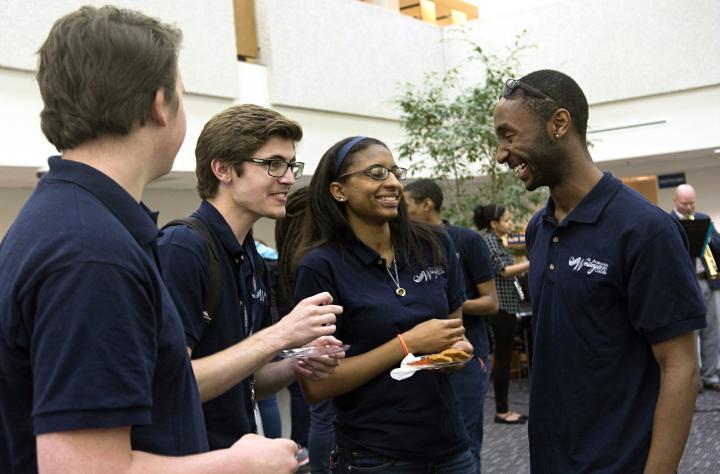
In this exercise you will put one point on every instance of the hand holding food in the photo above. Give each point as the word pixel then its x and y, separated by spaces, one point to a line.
pixel 434 335
pixel 444 357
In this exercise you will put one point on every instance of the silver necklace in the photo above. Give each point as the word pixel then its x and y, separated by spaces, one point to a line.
pixel 400 291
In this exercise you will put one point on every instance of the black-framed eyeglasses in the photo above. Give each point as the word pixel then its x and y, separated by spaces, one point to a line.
pixel 512 84
pixel 277 168
pixel 378 172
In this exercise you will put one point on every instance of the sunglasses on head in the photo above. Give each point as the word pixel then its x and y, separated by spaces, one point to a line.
pixel 512 84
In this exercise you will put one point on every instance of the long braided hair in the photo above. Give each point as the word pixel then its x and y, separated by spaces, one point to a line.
pixel 287 240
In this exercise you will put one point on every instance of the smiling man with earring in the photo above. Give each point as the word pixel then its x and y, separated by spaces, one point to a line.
pixel 615 297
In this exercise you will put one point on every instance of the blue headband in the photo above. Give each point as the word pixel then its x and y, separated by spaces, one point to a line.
pixel 344 151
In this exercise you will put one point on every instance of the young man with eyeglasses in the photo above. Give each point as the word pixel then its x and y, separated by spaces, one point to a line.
pixel 615 297
pixel 245 168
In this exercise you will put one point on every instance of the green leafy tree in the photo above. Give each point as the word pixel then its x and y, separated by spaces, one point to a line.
pixel 449 132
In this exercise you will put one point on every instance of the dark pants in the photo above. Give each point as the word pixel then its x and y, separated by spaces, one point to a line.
pixel 322 436
pixel 299 415
pixel 471 385
pixel 270 416
pixel 503 325
pixel 349 462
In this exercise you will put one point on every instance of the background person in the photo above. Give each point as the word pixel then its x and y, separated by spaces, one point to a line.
pixel 494 223
pixel 424 199
pixel 615 298
pixel 311 426
pixel 684 208
pixel 393 278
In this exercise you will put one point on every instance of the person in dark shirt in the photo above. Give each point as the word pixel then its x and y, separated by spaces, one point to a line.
pixel 94 374
pixel 402 290
pixel 424 199
pixel 615 297
pixel 245 167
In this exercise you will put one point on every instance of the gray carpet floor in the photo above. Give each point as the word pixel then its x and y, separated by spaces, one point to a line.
pixel 505 447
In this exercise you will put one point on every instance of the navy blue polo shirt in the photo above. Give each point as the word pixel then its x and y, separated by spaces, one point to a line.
pixel 416 419
pixel 89 336
pixel 608 282
pixel 477 268
pixel 244 308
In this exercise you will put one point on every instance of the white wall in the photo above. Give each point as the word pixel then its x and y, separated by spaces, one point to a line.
pixel 323 129
pixel 684 120
pixel 207 59
pixel 342 55
pixel 615 49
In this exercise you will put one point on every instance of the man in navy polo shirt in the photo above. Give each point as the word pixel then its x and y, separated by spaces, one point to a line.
pixel 245 167
pixel 424 200
pixel 94 375
pixel 615 298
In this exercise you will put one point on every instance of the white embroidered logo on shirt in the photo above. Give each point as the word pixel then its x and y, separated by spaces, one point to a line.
pixel 592 265
pixel 428 274
pixel 258 294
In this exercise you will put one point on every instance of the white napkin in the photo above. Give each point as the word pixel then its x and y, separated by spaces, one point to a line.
pixel 405 371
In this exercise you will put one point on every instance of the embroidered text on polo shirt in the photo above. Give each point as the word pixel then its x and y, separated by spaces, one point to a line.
pixel 430 273
pixel 592 265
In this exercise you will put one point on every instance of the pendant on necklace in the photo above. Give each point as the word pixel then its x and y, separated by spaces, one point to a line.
pixel 400 292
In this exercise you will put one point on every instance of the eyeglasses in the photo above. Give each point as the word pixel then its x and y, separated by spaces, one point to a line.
pixel 277 168
pixel 512 84
pixel 379 173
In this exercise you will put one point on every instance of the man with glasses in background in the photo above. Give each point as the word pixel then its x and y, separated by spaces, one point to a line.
pixel 615 297
pixel 245 168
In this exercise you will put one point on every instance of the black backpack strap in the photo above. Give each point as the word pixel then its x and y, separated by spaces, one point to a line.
pixel 214 282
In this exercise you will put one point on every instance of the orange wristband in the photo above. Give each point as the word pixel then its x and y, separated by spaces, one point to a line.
pixel 402 343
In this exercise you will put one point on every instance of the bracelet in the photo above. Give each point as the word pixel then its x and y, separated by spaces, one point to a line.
pixel 402 343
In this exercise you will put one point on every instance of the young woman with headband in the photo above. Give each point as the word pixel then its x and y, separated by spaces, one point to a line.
pixel 401 289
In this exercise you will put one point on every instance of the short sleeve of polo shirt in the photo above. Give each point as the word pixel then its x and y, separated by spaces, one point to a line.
pixel 94 349
pixel 664 296
pixel 313 277
pixel 475 253
pixel 456 279
pixel 183 260
pixel 529 235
